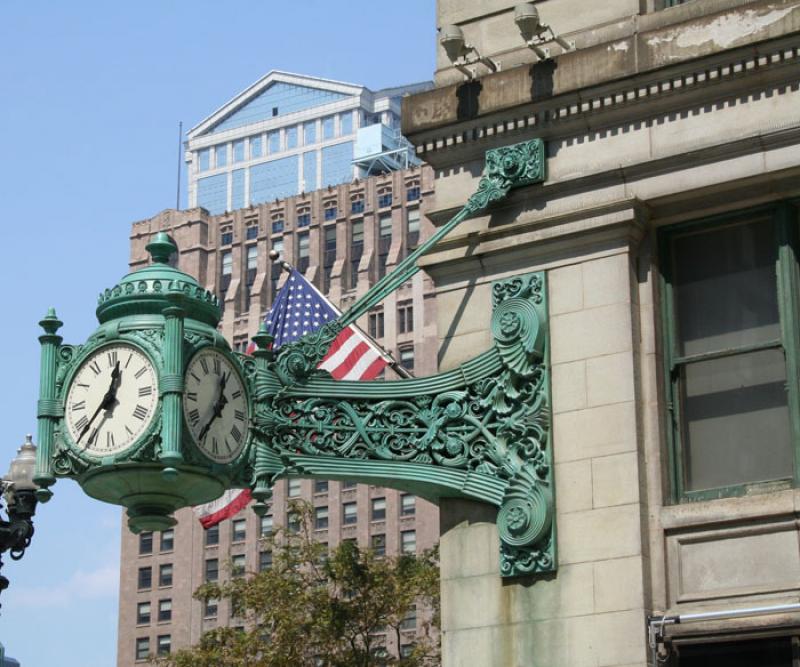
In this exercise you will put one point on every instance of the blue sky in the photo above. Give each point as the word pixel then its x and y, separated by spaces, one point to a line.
pixel 90 97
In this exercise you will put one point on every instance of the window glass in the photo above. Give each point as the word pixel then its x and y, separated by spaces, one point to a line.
pixel 320 486
pixel 145 543
pixel 212 569
pixel 252 257
pixel 378 509
pixel 304 220
pixel 408 541
pixel 145 578
pixel 346 122
pixel 302 252
pixel 221 153
pixel 165 574
pixel 167 540
pixel 277 228
pixel 142 613
pixel 775 652
pixel 408 504
pixel 226 238
pixel 274 140
pixel 238 150
pixel 291 137
pixel 164 644
pixel 238 530
pixel 320 517
pixel 266 524
pixel 142 648
pixel 238 564
pixel 212 535
pixel 256 147
pixel 204 159
pixel 165 610
pixel 385 225
pixel 210 608
pixel 264 560
pixel 227 263
pixel 327 128
pixel 378 544
pixel 385 200
pixel 349 513
pixel 412 193
pixel 330 212
pixel 252 232
pixel 407 358
pixel 310 132
pixel 358 232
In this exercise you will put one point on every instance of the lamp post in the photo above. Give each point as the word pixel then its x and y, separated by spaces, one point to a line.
pixel 19 495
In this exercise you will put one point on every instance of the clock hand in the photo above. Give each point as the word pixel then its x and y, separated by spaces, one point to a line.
pixel 108 399
pixel 220 403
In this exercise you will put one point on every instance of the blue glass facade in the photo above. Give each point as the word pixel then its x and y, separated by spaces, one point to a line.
pixel 328 128
pixel 310 133
pixel 256 149
pixel 212 193
pixel 238 151
pixel 310 171
pixel 204 159
pixel 274 142
pixel 337 164
pixel 277 100
pixel 237 189
pixel 291 137
pixel 274 179
pixel 221 155
pixel 346 123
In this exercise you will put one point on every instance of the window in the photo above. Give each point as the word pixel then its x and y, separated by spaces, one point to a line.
pixel 145 578
pixel 302 251
pixel 142 648
pixel 726 357
pixel 330 255
pixel 347 484
pixel 294 488
pixel 226 237
pixel 291 137
pixel 408 505
pixel 164 645
pixel 251 232
pixel 212 569
pixel 277 225
pixel 210 608
pixel 385 199
pixel 376 324
pixel 405 317
pixel 266 525
pixel 349 513
pixel 304 220
pixel 406 650
pixel 256 149
pixel 293 522
pixel 238 530
pixel 142 613
pixel 238 150
pixel 238 565
pixel 212 535
pixel 407 358
pixel 204 159
pixel 409 621
pixel 412 193
pixel 357 205
pixel 264 560
pixel 221 153
pixel 165 610
pixel 310 132
pixel 227 270
pixel 408 542
pixel 346 122
pixel 412 228
pixel 331 211
pixel 165 574
pixel 320 517
pixel 274 140
pixel 378 509
pixel 384 241
pixel 320 486
pixel 167 540
pixel 274 111
pixel 773 652
pixel 327 128
pixel 378 544
pixel 145 543
pixel 356 251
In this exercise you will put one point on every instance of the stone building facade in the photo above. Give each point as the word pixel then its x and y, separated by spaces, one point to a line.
pixel 668 230
pixel 343 238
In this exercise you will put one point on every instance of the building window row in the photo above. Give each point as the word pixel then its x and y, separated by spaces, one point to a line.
pixel 163 647
pixel 147 539
pixel 145 576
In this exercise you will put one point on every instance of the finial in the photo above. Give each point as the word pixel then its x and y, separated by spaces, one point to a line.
pixel 161 247
pixel 51 323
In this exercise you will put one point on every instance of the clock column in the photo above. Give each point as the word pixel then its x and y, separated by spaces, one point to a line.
pixel 48 411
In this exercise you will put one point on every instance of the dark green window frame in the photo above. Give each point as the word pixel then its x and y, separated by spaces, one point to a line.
pixel 784 217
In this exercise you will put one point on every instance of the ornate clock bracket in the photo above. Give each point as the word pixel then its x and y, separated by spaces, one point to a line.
pixel 480 431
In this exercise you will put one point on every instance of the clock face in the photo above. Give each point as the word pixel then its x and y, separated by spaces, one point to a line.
pixel 112 400
pixel 215 405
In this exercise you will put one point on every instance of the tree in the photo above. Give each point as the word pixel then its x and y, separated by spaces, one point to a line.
pixel 311 608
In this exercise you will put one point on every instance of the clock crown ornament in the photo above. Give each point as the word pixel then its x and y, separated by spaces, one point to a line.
pixel 111 410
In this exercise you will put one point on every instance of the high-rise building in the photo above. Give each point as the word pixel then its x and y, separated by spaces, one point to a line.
pixel 343 237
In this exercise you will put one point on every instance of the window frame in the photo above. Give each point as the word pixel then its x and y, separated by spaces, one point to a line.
pixel 784 218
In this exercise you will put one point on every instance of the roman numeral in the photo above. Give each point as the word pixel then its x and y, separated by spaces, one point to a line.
pixel 140 372
pixel 80 405
pixel 128 431
pixel 81 423
pixel 112 358
pixel 238 415
pixel 227 444
pixel 236 394
pixel 81 385
pixel 194 417
pixel 140 412
pixel 192 396
pixel 130 356
pixel 217 366
pixel 109 440
pixel 215 445
pixel 204 364
pixel 196 379
pixel 236 433
pixel 95 367
pixel 92 436
pixel 145 391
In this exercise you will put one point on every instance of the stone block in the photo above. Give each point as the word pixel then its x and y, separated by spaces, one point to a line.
pixel 609 429
pixel 618 584
pixel 610 379
pixel 458 349
pixel 590 333
pixel 615 480
pixel 469 551
pixel 568 385
pixel 565 286
pixel 562 596
pixel 606 281
pixel 599 534
pixel 472 602
pixel 573 486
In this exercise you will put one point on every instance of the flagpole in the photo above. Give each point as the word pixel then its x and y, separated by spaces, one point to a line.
pixel 387 356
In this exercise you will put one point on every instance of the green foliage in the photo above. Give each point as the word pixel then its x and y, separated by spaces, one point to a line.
pixel 314 609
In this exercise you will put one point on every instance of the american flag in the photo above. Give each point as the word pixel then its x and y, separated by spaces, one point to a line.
pixel 300 309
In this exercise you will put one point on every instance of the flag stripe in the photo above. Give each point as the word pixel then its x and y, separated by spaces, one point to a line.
pixel 357 369
pixel 229 504
pixel 374 369
pixel 347 341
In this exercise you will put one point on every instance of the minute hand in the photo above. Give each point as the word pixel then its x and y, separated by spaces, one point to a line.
pixel 222 401
pixel 108 399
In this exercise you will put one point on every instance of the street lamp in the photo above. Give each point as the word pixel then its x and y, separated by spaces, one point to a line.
pixel 19 494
